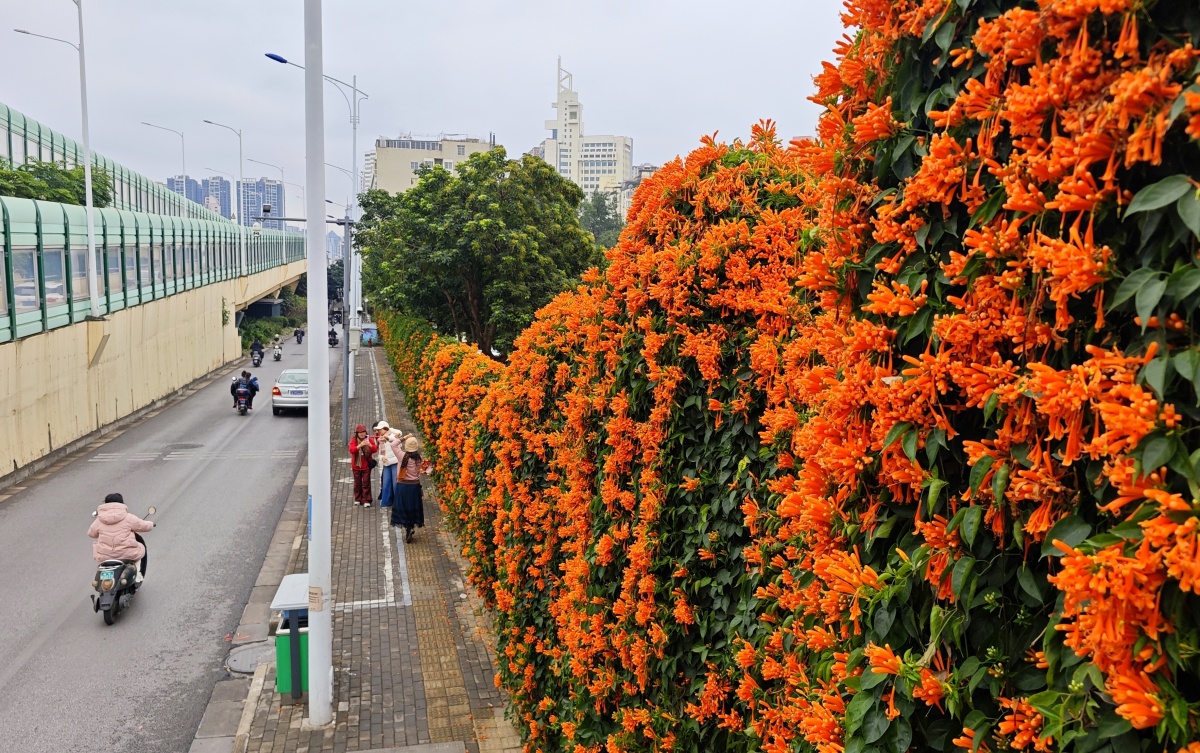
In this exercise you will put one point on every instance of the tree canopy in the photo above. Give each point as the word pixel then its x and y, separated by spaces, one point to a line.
pixel 477 251
pixel 53 181
pixel 599 215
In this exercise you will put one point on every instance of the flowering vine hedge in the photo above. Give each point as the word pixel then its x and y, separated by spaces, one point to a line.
pixel 883 441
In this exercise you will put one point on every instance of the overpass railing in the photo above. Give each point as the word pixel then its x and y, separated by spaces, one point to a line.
pixel 140 258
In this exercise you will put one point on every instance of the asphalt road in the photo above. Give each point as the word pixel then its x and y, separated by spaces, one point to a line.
pixel 219 481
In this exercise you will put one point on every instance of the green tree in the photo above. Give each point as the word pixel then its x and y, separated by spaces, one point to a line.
pixel 477 252
pixel 598 215
pixel 334 279
pixel 53 181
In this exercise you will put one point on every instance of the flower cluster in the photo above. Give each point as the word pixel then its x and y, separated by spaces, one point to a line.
pixel 882 441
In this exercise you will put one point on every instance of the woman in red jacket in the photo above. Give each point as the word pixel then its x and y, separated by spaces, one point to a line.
pixel 362 447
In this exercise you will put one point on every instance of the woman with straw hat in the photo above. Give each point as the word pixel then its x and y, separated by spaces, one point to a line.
pixel 408 510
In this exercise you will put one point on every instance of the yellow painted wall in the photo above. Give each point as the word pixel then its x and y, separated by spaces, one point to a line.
pixel 50 393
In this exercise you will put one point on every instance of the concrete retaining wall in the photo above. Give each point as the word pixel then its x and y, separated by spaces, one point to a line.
pixel 62 385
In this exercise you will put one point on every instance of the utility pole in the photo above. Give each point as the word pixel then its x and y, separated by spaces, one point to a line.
pixel 320 592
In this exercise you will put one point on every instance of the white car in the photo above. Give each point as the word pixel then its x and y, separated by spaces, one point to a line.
pixel 290 391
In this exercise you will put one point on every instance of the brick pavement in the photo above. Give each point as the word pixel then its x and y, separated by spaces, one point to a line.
pixel 413 651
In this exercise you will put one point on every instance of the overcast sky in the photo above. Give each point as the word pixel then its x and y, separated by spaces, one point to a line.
pixel 664 72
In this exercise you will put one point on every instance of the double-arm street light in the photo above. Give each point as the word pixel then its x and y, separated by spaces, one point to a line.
pixel 92 278
pixel 240 193
pixel 349 279
pixel 182 152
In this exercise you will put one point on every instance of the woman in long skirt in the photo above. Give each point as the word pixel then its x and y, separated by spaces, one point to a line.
pixel 408 510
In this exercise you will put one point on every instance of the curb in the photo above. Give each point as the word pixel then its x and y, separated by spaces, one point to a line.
pixel 225 726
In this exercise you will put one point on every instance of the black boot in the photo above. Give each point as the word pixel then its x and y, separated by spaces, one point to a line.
pixel 408 535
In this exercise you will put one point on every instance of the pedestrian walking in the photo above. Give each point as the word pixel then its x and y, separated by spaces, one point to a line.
pixel 409 508
pixel 362 451
pixel 387 463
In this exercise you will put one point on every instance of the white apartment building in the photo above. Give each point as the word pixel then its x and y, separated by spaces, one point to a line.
pixel 594 163
pixel 397 160
pixel 626 189
pixel 366 178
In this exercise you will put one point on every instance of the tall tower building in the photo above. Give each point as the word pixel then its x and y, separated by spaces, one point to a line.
pixel 187 187
pixel 594 163
pixel 218 195
pixel 255 195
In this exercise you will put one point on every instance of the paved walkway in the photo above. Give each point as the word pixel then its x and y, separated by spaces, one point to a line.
pixel 412 650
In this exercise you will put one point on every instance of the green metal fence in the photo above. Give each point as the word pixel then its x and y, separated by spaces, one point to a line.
pixel 150 243
pixel 139 258
pixel 24 139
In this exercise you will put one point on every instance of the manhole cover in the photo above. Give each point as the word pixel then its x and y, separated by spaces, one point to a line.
pixel 245 659
pixel 184 446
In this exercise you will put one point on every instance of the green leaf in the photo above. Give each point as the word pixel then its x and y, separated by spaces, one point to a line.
pixel 1000 482
pixel 1148 297
pixel 935 490
pixel 989 407
pixel 1029 583
pixel 1131 284
pixel 875 725
pixel 968 528
pixel 1158 195
pixel 980 470
pixel 1155 375
pixel 909 444
pixel 1188 207
pixel 1112 725
pixel 1183 283
pixel 895 433
pixel 856 710
pixel 884 618
pixel 900 736
pixel 1156 451
pixel 1071 530
pixel 1187 363
pixel 962 570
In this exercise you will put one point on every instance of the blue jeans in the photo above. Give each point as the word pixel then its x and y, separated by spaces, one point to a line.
pixel 387 485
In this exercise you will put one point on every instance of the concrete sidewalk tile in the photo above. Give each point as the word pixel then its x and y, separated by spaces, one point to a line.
pixel 221 719
pixel 230 690
pixel 212 745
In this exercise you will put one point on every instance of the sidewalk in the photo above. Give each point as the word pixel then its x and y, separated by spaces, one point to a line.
pixel 412 654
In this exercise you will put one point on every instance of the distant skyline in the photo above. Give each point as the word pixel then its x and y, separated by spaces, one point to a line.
pixel 665 73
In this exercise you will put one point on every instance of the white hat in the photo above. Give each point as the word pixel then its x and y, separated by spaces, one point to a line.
pixel 383 425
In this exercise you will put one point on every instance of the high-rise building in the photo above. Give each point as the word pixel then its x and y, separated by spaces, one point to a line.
pixel 218 195
pixel 187 187
pixel 259 193
pixel 594 163
pixel 397 160
pixel 333 246
pixel 627 187
pixel 366 179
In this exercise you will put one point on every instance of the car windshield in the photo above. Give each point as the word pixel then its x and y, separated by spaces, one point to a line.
pixel 294 377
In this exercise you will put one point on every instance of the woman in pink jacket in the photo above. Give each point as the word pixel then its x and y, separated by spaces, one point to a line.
pixel 114 529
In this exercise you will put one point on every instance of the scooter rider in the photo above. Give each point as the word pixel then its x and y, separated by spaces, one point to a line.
pixel 114 529
pixel 250 382
pixel 256 347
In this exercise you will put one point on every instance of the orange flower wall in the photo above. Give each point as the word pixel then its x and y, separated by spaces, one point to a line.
pixel 886 440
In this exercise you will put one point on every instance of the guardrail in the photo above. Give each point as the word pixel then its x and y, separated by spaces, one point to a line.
pixel 140 257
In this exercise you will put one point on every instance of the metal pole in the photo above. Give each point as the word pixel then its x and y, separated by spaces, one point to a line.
pixel 347 385
pixel 320 618
pixel 348 249
pixel 242 205
pixel 93 278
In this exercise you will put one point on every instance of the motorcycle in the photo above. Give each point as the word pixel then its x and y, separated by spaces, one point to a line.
pixel 278 353
pixel 256 357
pixel 243 399
pixel 116 582
pixel 299 338
pixel 333 341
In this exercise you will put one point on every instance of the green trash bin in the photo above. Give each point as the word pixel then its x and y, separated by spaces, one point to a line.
pixel 283 652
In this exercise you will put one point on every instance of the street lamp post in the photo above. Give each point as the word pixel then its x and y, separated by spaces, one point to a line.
pixel 240 192
pixel 93 281
pixel 320 582
pixel 182 152
pixel 349 265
